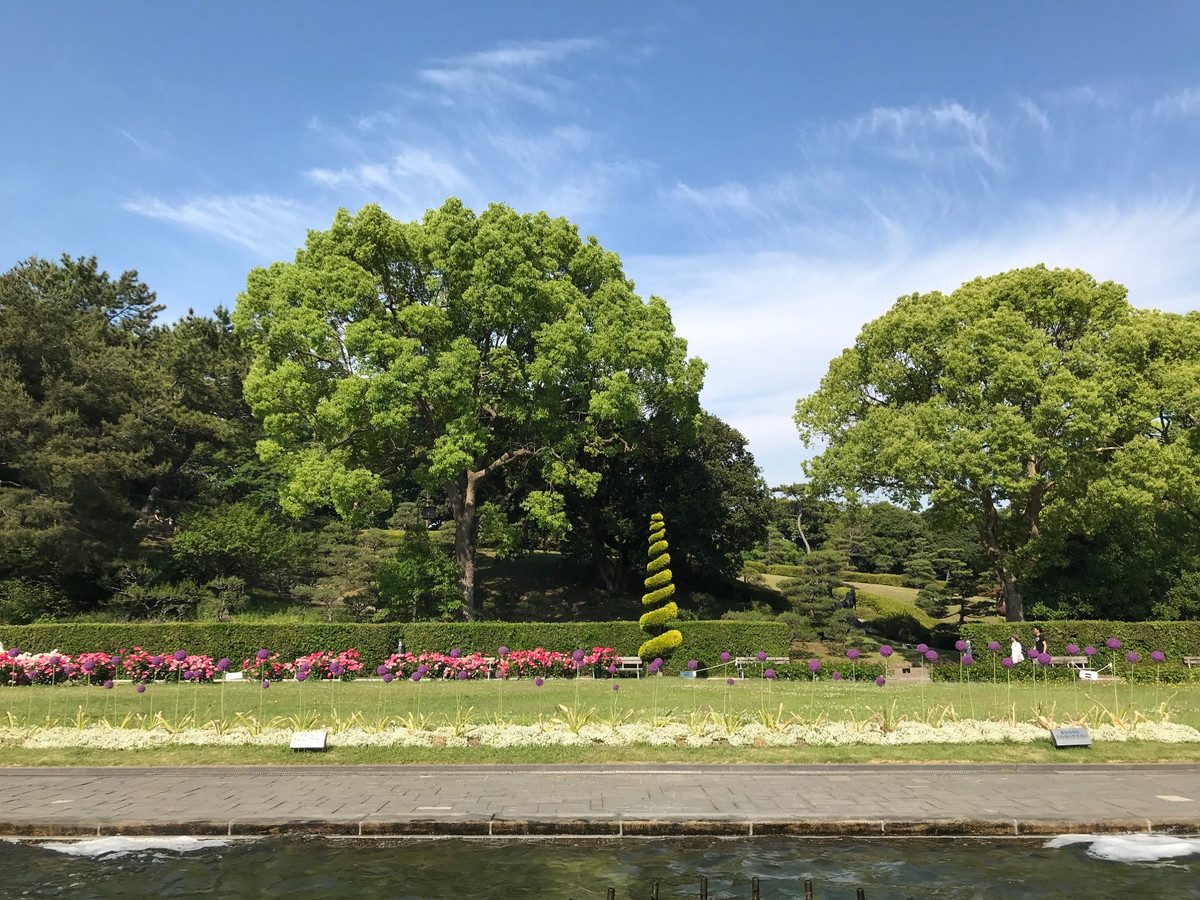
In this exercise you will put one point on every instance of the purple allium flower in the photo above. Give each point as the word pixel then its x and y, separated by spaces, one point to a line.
pixel 1131 657
pixel 455 653
pixel 1044 659
pixel 616 687
pixel 729 682
pixel 13 652
pixel 335 669
pixel 88 665
pixel 387 677
pixel 69 670
pixel 814 665
pixel 967 659
pixel 725 657
pixel 55 659
pixel 770 673
pixel 141 689
pixel 762 655
pixel 1072 649
pixel 612 670
pixel 1007 662
pixel 921 648
pixel 1158 656
pixel 180 655
pixel 263 655
pixel 187 675
pixel 692 665
pixel 503 651
pixel 266 684
pixel 1112 644
pixel 302 674
pixel 886 650
pixel 836 676
pixel 422 669
pixel 994 646
pixel 960 646
pixel 881 681
pixel 381 670
pixel 115 660
pixel 463 675
pixel 539 681
pixel 416 676
pixel 931 655
pixel 156 661
pixel 1089 651
pixel 578 656
pixel 853 653
pixel 657 663
pixel 108 685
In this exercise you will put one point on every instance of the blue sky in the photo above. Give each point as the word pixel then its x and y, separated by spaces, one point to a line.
pixel 778 172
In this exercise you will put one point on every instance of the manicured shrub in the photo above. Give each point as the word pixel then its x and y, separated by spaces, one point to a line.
pixel 659 590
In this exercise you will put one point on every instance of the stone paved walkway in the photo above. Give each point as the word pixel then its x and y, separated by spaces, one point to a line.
pixel 602 800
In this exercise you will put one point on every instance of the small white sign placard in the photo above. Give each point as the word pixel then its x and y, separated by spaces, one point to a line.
pixel 234 676
pixel 308 740
pixel 1070 737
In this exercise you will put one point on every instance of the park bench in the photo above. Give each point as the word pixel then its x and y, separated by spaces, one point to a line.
pixel 629 664
pixel 741 662
pixel 1074 662
pixel 1191 661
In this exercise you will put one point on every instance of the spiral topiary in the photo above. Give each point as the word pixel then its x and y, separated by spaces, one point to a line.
pixel 659 589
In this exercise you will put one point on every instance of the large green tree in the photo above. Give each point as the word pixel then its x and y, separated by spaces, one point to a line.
pixel 82 406
pixel 451 350
pixel 993 402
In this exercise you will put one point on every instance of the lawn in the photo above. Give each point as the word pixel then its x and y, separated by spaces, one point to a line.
pixel 462 706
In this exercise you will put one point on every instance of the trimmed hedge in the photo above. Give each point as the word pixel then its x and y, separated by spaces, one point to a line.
pixel 1175 639
pixel 787 571
pixel 868 578
pixel 702 641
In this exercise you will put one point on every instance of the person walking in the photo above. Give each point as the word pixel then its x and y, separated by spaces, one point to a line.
pixel 1040 647
pixel 1016 651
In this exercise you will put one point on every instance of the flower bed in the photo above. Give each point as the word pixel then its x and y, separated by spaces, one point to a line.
pixel 671 734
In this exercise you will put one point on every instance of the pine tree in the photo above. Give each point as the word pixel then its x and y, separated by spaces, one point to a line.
pixel 659 589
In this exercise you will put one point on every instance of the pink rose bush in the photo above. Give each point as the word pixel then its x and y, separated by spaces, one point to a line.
pixel 143 667
pixel 539 663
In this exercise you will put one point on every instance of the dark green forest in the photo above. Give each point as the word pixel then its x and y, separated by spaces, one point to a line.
pixel 409 421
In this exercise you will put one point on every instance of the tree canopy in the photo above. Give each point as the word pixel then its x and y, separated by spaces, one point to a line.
pixel 450 350
pixel 995 402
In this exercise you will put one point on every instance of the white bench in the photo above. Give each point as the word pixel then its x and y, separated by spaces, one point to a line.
pixel 1191 661
pixel 743 661
pixel 629 664
pixel 1073 662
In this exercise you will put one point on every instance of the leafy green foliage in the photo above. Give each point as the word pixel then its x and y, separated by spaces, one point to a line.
pixel 992 402
pixel 419 582
pixel 459 349
pixel 237 540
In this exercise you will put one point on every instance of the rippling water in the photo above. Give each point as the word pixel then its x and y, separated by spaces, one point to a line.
pixel 1076 868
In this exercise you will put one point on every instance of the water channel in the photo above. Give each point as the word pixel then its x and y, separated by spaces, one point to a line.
pixel 1079 868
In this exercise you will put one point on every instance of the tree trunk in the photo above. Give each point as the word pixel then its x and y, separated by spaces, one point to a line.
pixel 1010 596
pixel 461 494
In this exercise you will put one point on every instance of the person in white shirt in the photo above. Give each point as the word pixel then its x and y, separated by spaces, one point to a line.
pixel 1016 652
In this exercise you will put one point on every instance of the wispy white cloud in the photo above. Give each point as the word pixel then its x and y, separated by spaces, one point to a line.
pixel 926 135
pixel 396 176
pixel 1179 104
pixel 145 149
pixel 269 226
pixel 512 72
pixel 768 324
pixel 1033 112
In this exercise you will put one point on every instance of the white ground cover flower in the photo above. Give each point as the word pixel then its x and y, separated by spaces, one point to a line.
pixel 827 734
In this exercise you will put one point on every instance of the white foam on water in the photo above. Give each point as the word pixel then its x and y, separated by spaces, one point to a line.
pixel 123 846
pixel 1129 847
